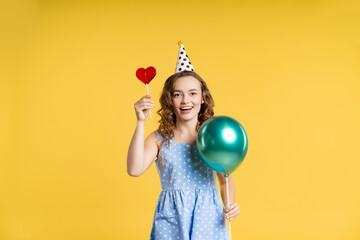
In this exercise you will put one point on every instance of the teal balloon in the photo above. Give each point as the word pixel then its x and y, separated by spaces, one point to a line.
pixel 222 144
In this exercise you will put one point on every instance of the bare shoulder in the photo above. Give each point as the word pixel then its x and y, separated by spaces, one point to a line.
pixel 153 140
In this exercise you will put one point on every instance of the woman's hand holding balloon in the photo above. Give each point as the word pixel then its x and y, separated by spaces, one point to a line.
pixel 142 107
pixel 232 211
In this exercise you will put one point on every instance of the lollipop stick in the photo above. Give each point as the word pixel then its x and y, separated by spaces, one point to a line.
pixel 147 92
pixel 228 203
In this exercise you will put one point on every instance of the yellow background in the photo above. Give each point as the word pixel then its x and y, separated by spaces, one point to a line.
pixel 288 71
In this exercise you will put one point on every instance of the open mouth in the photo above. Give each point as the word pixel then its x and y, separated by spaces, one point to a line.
pixel 186 109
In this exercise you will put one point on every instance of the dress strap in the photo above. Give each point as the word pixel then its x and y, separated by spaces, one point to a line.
pixel 159 136
pixel 161 139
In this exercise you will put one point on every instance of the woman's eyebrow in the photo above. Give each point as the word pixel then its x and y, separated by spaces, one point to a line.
pixel 194 89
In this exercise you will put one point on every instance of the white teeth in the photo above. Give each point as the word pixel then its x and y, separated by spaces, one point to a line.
pixel 186 108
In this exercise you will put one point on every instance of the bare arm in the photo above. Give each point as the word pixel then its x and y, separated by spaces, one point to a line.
pixel 141 153
pixel 233 210
pixel 222 183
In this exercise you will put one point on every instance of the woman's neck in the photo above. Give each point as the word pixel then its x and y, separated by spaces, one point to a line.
pixel 186 129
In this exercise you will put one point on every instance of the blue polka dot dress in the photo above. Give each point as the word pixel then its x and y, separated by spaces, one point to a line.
pixel 189 205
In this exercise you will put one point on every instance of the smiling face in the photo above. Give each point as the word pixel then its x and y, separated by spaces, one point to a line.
pixel 187 98
pixel 200 102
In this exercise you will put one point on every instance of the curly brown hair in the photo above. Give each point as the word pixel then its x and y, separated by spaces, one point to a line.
pixel 166 112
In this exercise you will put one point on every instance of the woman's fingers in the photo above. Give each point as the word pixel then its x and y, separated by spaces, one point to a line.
pixel 146 98
pixel 232 211
pixel 232 207
pixel 143 106
pixel 144 103
pixel 232 215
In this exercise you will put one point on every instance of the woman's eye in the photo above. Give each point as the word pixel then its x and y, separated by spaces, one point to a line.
pixel 193 93
pixel 176 95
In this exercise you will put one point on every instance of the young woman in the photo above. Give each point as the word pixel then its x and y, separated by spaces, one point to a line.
pixel 189 205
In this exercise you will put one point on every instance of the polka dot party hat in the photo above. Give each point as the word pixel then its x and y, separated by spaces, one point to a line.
pixel 183 61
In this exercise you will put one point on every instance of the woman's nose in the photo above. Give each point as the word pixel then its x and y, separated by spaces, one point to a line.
pixel 185 99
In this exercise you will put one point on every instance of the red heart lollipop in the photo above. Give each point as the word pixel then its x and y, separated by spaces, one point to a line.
pixel 146 75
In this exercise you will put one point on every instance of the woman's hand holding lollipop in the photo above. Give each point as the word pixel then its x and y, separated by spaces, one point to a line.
pixel 142 107
pixel 144 75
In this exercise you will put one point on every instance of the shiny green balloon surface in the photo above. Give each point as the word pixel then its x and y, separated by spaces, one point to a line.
pixel 222 144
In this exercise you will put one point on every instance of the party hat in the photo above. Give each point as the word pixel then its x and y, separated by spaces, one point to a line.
pixel 183 61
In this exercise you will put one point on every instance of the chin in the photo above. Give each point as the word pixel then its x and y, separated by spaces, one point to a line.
pixel 188 118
